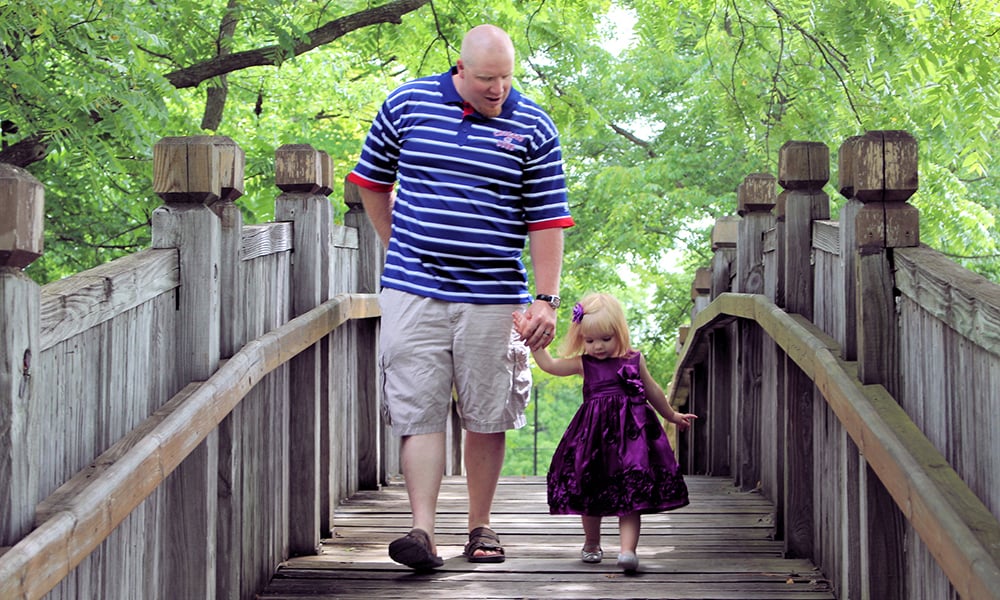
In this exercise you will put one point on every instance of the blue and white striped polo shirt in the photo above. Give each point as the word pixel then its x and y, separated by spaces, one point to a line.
pixel 470 189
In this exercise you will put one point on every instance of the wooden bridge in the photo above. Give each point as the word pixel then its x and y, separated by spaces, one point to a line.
pixel 200 419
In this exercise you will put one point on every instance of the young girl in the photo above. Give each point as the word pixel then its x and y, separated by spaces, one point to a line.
pixel 614 458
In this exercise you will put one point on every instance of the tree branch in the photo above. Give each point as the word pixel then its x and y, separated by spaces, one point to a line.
pixel 25 152
pixel 274 55
pixel 215 98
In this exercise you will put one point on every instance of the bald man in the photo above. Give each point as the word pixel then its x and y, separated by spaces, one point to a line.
pixel 458 172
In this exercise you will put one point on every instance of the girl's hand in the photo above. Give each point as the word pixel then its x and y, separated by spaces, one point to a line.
pixel 683 420
pixel 536 326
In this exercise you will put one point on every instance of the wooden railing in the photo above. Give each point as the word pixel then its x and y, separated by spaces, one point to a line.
pixel 850 374
pixel 175 423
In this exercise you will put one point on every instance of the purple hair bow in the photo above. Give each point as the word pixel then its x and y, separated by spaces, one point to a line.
pixel 577 312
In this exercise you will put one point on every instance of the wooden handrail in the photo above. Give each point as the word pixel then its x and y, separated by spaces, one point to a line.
pixel 958 529
pixel 81 514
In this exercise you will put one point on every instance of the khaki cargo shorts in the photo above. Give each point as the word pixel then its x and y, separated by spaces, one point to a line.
pixel 429 347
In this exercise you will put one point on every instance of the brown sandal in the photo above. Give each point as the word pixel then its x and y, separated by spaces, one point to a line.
pixel 414 551
pixel 486 540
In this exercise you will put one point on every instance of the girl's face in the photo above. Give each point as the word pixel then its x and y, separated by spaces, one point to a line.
pixel 600 344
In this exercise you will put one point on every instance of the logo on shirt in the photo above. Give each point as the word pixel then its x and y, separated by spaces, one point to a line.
pixel 506 139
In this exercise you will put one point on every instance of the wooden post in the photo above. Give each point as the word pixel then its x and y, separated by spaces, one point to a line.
pixel 692 447
pixel 329 367
pixel 377 455
pixel 884 178
pixel 803 170
pixel 755 198
pixel 299 174
pixel 773 409
pixel 186 175
pixel 232 336
pixel 22 212
pixel 718 417
pixel 854 566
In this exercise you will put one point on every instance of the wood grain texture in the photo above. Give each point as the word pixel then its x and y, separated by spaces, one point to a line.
pixel 954 524
pixel 719 546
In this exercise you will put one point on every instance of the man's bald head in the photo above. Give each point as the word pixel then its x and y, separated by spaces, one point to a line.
pixel 485 69
pixel 486 41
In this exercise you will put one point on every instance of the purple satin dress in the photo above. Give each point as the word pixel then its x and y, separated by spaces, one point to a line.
pixel 614 458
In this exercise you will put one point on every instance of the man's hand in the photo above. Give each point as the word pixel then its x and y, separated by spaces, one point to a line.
pixel 537 325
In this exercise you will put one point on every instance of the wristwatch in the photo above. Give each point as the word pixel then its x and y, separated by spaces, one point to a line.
pixel 555 301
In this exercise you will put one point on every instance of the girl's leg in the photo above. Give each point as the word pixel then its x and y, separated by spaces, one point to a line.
pixel 628 531
pixel 591 533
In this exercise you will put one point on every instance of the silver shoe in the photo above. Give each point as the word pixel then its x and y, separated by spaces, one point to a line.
pixel 591 557
pixel 628 562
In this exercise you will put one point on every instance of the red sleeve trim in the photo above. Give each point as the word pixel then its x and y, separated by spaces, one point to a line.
pixel 562 222
pixel 369 184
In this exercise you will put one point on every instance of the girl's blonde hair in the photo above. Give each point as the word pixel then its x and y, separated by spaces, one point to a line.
pixel 601 314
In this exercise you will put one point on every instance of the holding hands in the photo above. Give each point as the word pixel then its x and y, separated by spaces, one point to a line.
pixel 536 325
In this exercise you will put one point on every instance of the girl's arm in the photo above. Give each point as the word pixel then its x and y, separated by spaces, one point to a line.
pixel 658 400
pixel 559 367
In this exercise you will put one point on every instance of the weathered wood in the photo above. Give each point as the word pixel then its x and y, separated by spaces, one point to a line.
pixel 964 301
pixel 805 203
pixel 115 349
pixel 269 238
pixel 190 494
pixel 803 165
pixel 232 336
pixel 884 166
pixel 75 304
pixel 717 547
pixel 756 199
pixel 949 376
pixel 947 515
pixel 186 169
pixel 378 449
pixel 340 432
pixel 74 519
pixel 19 354
pixel 773 408
pixel 22 217
pixel 298 168
pixel 722 354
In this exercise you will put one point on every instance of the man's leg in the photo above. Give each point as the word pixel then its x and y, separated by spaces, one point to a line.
pixel 422 459
pixel 484 454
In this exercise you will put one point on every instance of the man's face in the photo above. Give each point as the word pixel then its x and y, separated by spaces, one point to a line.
pixel 486 83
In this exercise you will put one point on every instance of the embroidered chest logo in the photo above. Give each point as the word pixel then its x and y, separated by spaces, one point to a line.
pixel 506 139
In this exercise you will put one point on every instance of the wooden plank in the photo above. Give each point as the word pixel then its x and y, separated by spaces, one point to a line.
pixel 77 303
pixel 756 198
pixel 708 561
pixel 19 333
pixel 190 492
pixel 377 448
pixel 802 209
pixel 263 239
pixel 965 301
pixel 297 168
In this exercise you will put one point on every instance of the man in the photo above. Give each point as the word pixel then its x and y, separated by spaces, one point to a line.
pixel 479 172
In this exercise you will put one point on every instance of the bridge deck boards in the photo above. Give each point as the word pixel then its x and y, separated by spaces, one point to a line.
pixel 718 547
